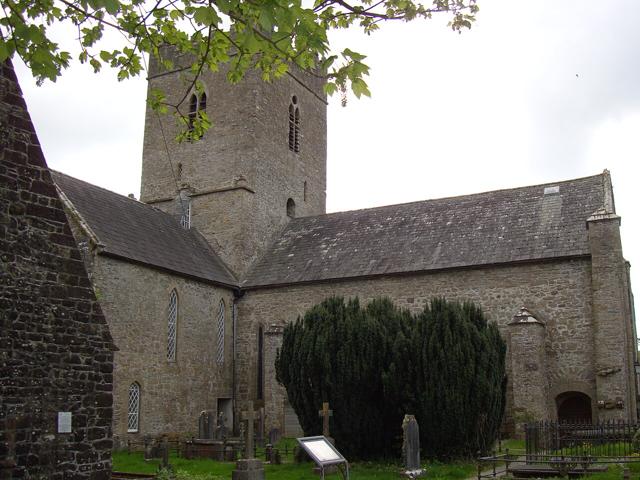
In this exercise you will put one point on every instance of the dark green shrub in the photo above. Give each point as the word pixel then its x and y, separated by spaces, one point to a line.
pixel 375 364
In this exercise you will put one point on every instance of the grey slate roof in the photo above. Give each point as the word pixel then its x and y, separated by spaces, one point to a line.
pixel 520 224
pixel 138 232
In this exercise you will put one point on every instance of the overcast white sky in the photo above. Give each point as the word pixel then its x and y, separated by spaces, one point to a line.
pixel 537 91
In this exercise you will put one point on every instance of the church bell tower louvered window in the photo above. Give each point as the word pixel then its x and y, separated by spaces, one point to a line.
pixel 196 105
pixel 294 125
pixel 172 326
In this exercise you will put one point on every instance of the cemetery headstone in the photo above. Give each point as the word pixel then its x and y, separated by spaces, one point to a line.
pixel 274 436
pixel 165 453
pixel 148 447
pixel 221 432
pixel 205 425
pixel 411 446
pixel 248 418
pixel 163 447
pixel 268 449
pixel 325 413
pixel 260 429
pixel 248 468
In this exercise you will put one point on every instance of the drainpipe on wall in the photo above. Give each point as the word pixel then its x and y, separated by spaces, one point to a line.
pixel 237 294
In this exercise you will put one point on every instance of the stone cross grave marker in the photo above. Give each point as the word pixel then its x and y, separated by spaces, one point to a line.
pixel 411 443
pixel 325 413
pixel 248 417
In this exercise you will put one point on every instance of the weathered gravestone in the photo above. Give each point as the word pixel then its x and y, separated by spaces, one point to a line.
pixel 260 431
pixel 274 436
pixel 248 468
pixel 221 431
pixel 205 425
pixel 163 447
pixel 272 454
pixel 411 447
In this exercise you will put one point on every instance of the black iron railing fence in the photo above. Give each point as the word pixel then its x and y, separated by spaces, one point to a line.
pixel 603 439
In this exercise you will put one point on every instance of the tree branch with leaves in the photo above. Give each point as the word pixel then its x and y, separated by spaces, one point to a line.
pixel 267 35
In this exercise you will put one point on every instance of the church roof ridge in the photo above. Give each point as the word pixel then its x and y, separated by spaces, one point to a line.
pixel 466 195
pixel 106 190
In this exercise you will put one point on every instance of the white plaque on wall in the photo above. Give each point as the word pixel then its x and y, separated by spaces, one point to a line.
pixel 64 422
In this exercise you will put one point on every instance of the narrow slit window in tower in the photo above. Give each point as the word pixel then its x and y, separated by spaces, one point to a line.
pixel 185 218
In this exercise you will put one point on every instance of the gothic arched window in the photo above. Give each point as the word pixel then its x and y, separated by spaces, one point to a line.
pixel 196 105
pixel 294 125
pixel 193 110
pixel 172 326
pixel 220 339
pixel 202 105
pixel 133 410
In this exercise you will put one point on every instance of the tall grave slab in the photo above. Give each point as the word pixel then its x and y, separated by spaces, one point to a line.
pixel 411 447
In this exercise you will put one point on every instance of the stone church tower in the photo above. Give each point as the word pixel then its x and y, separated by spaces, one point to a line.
pixel 262 162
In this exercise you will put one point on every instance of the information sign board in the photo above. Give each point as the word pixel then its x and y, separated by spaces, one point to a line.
pixel 323 453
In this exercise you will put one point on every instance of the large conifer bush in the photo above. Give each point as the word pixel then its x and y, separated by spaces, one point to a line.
pixel 376 363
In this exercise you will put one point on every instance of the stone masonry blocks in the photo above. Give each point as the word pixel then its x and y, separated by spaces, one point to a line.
pixel 56 353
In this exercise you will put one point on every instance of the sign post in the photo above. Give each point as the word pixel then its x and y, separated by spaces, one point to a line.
pixel 324 454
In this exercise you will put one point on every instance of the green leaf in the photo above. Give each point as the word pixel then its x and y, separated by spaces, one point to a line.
pixel 330 88
pixel 4 51
pixel 359 88
pixel 111 6
pixel 206 16
pixel 95 64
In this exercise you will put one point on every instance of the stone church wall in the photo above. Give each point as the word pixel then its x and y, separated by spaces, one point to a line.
pixel 135 301
pixel 556 292
pixel 56 353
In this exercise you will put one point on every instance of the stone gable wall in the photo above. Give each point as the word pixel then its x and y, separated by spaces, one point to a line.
pixel 56 353
pixel 135 301
pixel 559 293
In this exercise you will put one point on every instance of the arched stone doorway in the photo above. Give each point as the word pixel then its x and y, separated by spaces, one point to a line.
pixel 574 407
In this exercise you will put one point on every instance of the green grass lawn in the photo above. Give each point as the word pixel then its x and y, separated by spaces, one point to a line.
pixel 515 447
pixel 209 470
